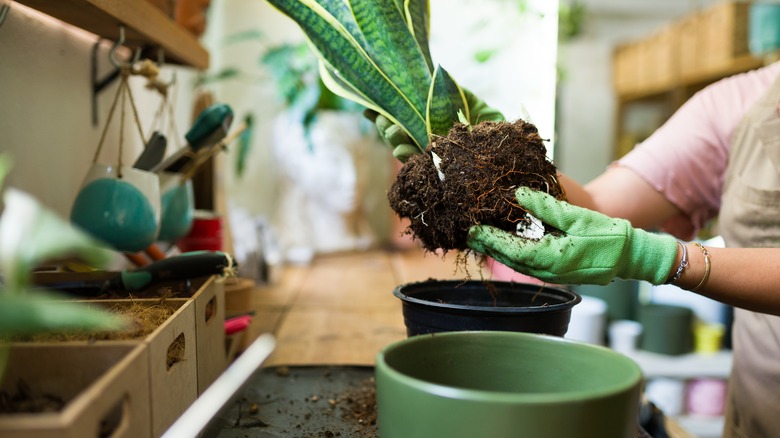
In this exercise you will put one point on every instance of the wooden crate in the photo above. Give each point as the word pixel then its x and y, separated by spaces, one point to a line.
pixel 209 300
pixel 173 374
pixel 724 27
pixel 208 297
pixel 626 68
pixel 692 45
pixel 102 386
pixel 660 52
pixel 173 384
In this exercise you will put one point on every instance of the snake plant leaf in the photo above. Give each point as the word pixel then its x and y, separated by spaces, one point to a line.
pixel 417 14
pixel 31 234
pixel 339 42
pixel 341 87
pixel 445 101
pixel 36 312
pixel 393 47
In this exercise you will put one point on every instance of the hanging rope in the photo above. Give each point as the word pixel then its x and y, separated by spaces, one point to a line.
pixel 147 69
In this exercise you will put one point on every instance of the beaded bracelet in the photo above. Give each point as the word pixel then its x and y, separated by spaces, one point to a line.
pixel 707 266
pixel 683 264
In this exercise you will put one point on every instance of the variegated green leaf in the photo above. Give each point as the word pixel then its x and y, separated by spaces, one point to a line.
pixel 393 47
pixel 340 45
pixel 417 131
pixel 445 100
pixel 417 14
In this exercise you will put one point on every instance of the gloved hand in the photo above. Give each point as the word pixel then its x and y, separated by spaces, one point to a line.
pixel 404 147
pixel 594 249
pixel 393 135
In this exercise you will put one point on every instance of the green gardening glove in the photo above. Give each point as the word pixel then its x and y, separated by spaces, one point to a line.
pixel 404 147
pixel 593 248
pixel 393 135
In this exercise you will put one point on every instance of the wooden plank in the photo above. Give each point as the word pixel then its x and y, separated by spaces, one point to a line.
pixel 284 291
pixel 361 280
pixel 675 430
pixel 145 25
pixel 336 336
pixel 265 320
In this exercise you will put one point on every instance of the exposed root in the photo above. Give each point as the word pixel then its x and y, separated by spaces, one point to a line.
pixel 484 165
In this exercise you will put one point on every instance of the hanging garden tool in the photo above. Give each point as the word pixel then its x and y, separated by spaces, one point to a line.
pixel 210 127
pixel 120 204
pixel 177 197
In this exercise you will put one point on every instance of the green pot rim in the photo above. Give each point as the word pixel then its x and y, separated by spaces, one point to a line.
pixel 635 378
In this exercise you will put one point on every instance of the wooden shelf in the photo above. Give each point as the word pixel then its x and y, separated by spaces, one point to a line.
pixel 145 26
pixel 738 65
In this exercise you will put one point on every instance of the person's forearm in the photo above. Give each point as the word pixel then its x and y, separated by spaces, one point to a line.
pixel 576 193
pixel 738 276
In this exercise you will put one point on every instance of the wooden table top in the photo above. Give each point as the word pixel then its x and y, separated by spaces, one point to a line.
pixel 340 309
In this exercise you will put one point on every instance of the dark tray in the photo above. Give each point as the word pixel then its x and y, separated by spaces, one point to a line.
pixel 317 401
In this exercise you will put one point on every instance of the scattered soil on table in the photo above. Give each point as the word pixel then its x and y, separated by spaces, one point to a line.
pixel 361 404
pixel 334 410
pixel 482 165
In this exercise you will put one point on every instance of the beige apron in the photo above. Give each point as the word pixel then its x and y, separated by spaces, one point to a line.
pixel 750 217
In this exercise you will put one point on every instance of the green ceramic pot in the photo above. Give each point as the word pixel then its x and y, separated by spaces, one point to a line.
pixel 505 384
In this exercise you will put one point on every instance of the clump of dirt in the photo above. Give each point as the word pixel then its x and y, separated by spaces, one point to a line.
pixel 479 170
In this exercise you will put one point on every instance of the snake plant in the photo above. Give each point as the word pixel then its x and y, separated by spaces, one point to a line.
pixel 376 53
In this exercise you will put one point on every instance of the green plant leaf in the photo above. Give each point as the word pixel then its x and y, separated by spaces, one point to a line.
pixel 445 101
pixel 36 312
pixel 244 145
pixel 226 73
pixel 484 55
pixel 417 14
pixel 341 46
pixel 393 47
pixel 5 167
pixel 247 35
pixel 31 234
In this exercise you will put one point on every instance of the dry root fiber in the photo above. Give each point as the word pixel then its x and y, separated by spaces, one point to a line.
pixel 482 165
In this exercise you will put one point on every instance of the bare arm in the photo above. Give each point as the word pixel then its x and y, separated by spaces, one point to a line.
pixel 741 277
pixel 621 193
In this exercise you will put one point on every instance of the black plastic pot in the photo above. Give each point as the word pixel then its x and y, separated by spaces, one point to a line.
pixel 443 306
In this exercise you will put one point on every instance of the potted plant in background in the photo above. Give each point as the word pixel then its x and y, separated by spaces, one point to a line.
pixel 376 54
pixel 325 150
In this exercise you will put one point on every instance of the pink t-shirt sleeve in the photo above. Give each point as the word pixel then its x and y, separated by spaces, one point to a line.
pixel 686 158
